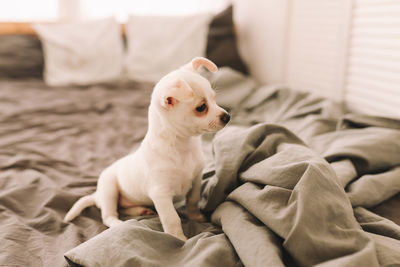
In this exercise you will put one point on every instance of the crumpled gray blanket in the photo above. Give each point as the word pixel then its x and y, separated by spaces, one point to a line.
pixel 294 181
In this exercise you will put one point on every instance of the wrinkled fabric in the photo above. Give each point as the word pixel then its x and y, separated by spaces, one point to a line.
pixel 54 142
pixel 294 180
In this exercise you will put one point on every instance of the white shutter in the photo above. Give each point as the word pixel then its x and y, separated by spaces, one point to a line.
pixel 373 81
pixel 317 45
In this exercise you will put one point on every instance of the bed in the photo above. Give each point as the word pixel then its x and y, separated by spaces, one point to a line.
pixel 295 179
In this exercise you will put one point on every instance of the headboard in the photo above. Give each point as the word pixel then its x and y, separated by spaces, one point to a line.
pixel 16 28
pixel 343 49
pixel 25 28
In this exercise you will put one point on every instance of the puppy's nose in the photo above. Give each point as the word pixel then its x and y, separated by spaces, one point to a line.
pixel 224 117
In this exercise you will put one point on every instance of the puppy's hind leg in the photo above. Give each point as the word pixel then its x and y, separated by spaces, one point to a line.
pixel 107 198
pixel 130 208
pixel 137 211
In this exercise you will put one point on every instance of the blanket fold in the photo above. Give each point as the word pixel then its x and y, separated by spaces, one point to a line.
pixel 295 193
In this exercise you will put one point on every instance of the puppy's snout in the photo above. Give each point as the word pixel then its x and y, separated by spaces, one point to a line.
pixel 224 117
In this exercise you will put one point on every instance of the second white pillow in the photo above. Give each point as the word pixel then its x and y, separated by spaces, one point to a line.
pixel 158 44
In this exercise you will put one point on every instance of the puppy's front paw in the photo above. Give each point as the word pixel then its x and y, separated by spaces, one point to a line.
pixel 181 237
pixel 178 233
pixel 196 216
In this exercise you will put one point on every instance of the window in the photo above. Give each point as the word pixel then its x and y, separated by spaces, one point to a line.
pixel 50 10
pixel 28 10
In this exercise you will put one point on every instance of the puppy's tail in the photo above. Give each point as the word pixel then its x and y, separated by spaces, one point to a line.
pixel 79 206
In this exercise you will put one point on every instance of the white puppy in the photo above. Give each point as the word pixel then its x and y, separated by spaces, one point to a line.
pixel 169 162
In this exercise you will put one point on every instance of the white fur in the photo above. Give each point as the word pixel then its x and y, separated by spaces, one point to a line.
pixel 168 164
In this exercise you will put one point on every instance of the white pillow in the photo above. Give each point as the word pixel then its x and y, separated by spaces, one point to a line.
pixel 81 53
pixel 158 44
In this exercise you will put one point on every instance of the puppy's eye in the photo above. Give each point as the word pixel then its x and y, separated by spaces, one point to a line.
pixel 201 108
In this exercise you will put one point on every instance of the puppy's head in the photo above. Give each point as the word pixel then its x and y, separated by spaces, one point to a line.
pixel 187 100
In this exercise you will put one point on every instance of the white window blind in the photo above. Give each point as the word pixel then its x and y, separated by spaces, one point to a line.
pixel 346 50
pixel 373 76
pixel 317 45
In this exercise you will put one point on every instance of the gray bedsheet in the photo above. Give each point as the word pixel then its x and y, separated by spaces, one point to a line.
pixel 53 144
pixel 292 181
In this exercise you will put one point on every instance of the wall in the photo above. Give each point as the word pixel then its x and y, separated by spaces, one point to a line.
pixel 261 29
pixel 344 49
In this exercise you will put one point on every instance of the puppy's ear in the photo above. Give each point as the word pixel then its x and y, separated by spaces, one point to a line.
pixel 180 91
pixel 201 61
pixel 195 64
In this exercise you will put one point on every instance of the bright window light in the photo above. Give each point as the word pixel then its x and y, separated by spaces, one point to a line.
pixel 64 10
pixel 122 8
pixel 28 10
